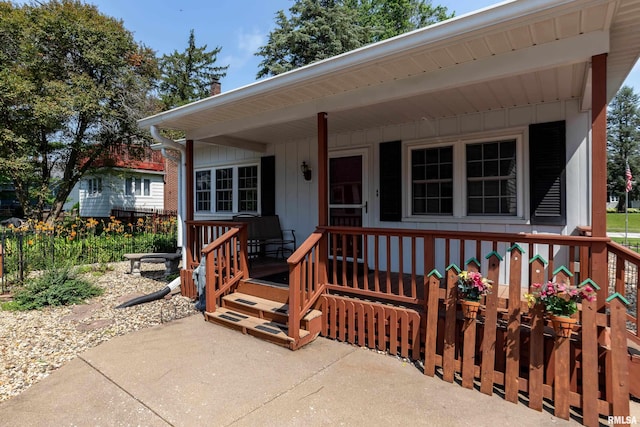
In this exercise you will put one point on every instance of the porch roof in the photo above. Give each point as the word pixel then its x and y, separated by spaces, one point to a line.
pixel 514 53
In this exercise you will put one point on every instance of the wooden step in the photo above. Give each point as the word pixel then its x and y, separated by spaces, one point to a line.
pixel 264 289
pixel 263 308
pixel 268 330
pixel 257 307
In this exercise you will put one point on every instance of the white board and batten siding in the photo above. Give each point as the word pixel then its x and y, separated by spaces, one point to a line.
pixel 296 199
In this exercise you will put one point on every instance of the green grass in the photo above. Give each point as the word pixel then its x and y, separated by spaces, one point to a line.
pixel 635 243
pixel 616 222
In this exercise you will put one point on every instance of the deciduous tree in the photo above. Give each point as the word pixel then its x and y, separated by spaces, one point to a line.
pixel 72 83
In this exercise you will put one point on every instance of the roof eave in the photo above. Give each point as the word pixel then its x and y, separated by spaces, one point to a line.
pixel 445 30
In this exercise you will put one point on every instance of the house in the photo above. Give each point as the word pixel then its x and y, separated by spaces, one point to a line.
pixel 477 143
pixel 124 179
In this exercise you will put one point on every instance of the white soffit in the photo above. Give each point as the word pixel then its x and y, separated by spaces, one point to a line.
pixel 511 54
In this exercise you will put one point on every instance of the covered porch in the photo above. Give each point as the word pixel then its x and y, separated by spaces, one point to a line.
pixel 382 244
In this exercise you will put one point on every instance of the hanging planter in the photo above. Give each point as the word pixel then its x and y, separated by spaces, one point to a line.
pixel 471 287
pixel 562 325
pixel 470 308
pixel 560 301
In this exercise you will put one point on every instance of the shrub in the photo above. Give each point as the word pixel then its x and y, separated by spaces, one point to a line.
pixel 57 286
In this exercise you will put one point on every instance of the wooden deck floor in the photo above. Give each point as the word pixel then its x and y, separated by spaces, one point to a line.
pixel 267 268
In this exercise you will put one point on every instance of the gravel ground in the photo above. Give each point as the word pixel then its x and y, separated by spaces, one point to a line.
pixel 35 343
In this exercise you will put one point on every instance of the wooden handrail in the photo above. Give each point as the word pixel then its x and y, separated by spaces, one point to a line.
pixel 307 279
pixel 225 264
pixel 219 241
pixel 541 238
pixel 304 248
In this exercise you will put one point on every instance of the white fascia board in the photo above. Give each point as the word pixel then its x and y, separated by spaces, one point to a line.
pixel 452 29
pixel 562 52
pixel 229 141
pixel 138 171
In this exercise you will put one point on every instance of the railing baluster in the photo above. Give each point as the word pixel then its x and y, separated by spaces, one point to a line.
pixel 376 272
pixel 365 260
pixel 414 286
pixel 400 266
pixel 388 269
pixel 354 261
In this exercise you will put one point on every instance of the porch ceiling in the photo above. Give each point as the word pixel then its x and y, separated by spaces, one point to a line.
pixel 515 53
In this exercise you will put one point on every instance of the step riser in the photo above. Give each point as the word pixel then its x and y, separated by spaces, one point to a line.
pixel 279 317
pixel 272 293
pixel 268 315
pixel 248 331
pixel 255 305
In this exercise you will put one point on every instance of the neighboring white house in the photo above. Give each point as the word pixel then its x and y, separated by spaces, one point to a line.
pixel 120 182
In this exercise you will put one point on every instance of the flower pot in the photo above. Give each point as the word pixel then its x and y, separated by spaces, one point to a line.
pixel 562 325
pixel 470 308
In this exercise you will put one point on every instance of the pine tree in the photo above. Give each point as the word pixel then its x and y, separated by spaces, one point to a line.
pixel 623 142
pixel 187 76
pixel 320 29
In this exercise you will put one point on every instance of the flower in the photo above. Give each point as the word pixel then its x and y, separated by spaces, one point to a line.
pixel 472 286
pixel 560 299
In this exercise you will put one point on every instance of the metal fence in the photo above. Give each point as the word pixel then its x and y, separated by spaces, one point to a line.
pixel 28 249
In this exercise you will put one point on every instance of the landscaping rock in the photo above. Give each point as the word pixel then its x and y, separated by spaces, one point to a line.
pixel 34 343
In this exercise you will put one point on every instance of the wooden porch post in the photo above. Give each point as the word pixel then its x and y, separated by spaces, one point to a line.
pixel 189 200
pixel 323 172
pixel 599 145
pixel 599 173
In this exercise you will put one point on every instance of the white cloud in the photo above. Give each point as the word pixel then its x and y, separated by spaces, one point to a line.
pixel 249 42
pixel 243 63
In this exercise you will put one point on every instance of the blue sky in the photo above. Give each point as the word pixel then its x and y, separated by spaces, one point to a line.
pixel 240 27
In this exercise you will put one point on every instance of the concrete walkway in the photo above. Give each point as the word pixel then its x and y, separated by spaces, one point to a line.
pixel 629 235
pixel 193 373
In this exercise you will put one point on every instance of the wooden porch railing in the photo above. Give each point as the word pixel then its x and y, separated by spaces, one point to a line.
pixel 199 234
pixel 202 233
pixel 623 273
pixel 225 265
pixel 307 279
pixel 511 346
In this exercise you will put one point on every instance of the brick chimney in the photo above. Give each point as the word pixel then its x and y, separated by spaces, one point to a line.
pixel 216 87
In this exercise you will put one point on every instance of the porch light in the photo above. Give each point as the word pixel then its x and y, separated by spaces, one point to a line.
pixel 306 171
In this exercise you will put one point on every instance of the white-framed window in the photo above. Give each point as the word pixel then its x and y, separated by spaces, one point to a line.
pixel 203 190
pixel 227 189
pixel 248 189
pixel 224 190
pixel 432 181
pixel 137 186
pixel 491 178
pixel 465 178
pixel 94 186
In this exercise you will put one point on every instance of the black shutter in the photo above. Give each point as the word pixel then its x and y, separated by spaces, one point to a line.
pixel 547 161
pixel 268 185
pixel 391 181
